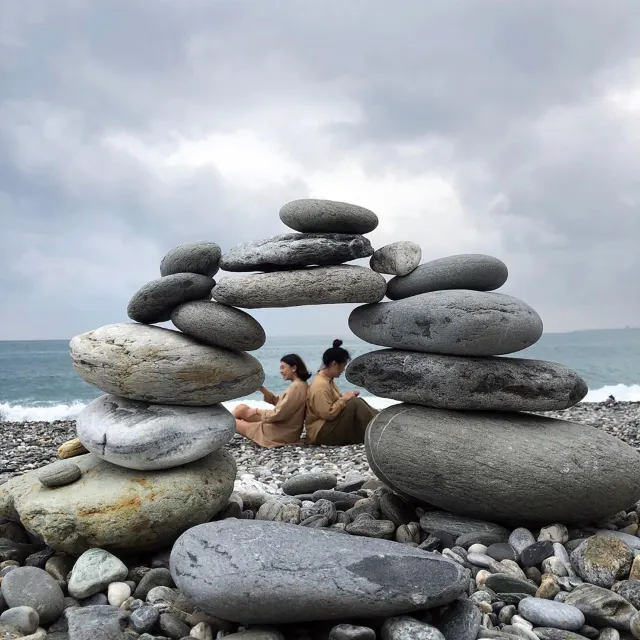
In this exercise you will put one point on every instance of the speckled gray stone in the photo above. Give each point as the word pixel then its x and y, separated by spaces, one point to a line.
pixel 408 628
pixel 546 613
pixel 521 538
pixel 35 588
pixel 295 250
pixel 296 574
pixel 219 325
pixel 397 258
pixel 474 271
pixel 580 473
pixel 602 607
pixel 314 286
pixel 460 322
pixel 602 560
pixel 465 383
pixel 461 621
pixel 140 435
pixel 311 215
pixel 60 473
pixel 96 623
pixel 94 571
pixel 155 301
pixel 192 257
pixel 458 525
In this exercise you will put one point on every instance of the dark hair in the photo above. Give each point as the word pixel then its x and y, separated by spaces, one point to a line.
pixel 294 360
pixel 335 354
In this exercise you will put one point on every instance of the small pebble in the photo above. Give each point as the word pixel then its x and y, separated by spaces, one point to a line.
pixel 117 593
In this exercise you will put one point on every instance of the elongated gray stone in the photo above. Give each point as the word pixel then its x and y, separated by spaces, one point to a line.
pixel 397 258
pixel 465 383
pixel 140 435
pixel 159 365
pixel 458 525
pixel 192 257
pixel 580 473
pixel 317 285
pixel 601 607
pixel 35 588
pixel 460 322
pixel 474 271
pixel 295 250
pixel 310 215
pixel 546 613
pixel 505 583
pixel 155 301
pixel 60 473
pixel 219 325
pixel 296 574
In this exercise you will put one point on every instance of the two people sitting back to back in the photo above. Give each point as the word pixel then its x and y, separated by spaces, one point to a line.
pixel 330 417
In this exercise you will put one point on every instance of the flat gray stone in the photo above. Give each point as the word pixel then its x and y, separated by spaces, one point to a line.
pixel 520 539
pixel 295 250
pixel 96 623
pixel 118 509
pixel 60 473
pixel 351 632
pixel 94 571
pixel 219 325
pixel 546 613
pixel 140 435
pixel 35 588
pixel 458 525
pixel 548 633
pixel 192 257
pixel 297 574
pixel 579 473
pixel 505 583
pixel 397 258
pixel 460 322
pixel 26 619
pixel 308 483
pixel 155 301
pixel 601 607
pixel 465 383
pixel 310 215
pixel 408 628
pixel 162 366
pixel 342 284
pixel 461 621
pixel 474 271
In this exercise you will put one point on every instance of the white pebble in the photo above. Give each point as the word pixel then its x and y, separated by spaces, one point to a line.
pixel 477 548
pixel 482 576
pixel 117 593
pixel 521 621
pixel 202 631
pixel 554 533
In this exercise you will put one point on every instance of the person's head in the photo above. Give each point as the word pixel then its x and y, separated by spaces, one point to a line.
pixel 335 360
pixel 292 366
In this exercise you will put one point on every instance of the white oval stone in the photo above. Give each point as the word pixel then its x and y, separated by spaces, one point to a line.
pixel 117 593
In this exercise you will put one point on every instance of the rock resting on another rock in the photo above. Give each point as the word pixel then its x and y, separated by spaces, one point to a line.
pixel 192 257
pixel 317 285
pixel 460 322
pixel 511 468
pixel 159 365
pixel 474 271
pixel 255 571
pixel 117 509
pixel 155 301
pixel 59 474
pixel 309 215
pixel 219 325
pixel 139 435
pixel 466 383
pixel 295 250
pixel 396 259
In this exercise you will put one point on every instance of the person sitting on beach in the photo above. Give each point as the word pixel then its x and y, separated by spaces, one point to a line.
pixel 334 418
pixel 284 423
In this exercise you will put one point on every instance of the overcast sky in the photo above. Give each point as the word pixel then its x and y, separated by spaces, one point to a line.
pixel 486 126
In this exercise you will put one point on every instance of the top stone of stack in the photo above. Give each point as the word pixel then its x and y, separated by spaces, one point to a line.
pixel 309 215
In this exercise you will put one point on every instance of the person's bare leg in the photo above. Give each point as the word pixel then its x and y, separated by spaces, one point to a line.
pixel 241 427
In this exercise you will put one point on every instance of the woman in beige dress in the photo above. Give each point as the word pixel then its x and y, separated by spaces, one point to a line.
pixel 284 423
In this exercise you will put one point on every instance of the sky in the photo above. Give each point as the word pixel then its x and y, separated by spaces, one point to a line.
pixel 468 126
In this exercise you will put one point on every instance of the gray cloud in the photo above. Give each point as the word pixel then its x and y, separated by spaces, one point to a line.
pixel 128 127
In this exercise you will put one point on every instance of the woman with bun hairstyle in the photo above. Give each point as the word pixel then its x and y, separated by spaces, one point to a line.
pixel 283 424
pixel 335 418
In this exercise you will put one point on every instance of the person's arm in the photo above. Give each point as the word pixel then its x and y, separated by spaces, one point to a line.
pixel 269 397
pixel 322 404
pixel 287 405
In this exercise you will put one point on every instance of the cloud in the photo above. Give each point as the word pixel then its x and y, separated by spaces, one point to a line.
pixel 129 127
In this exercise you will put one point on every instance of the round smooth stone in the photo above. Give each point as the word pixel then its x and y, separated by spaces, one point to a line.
pixel 310 215
pixel 25 619
pixel 140 435
pixel 309 483
pixel 396 259
pixel 60 473
pixel 520 539
pixel 341 284
pixel 94 571
pixel 158 365
pixel 580 474
pixel 502 551
pixel 460 322
pixel 192 257
pixel 219 325
pixel 465 383
pixel 155 301
pixel 533 555
pixel 546 613
pixel 35 588
pixel 474 271
pixel 295 250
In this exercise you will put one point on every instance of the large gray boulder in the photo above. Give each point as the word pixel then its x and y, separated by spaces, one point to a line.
pixel 192 257
pixel 219 325
pixel 474 271
pixel 139 435
pixel 155 301
pixel 118 509
pixel 465 383
pixel 511 468
pixel 310 215
pixel 261 572
pixel 396 259
pixel 314 286
pixel 460 322
pixel 162 366
pixel 295 250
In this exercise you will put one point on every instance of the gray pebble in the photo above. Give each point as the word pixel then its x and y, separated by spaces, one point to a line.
pixel 153 578
pixel 59 474
pixel 520 539
pixel 96 623
pixel 351 632
pixel 407 628
pixel 173 627
pixel 396 259
pixel 461 621
pixel 94 570
pixel 192 257
pixel 35 588
pixel 372 528
pixel 144 618
pixel 25 619
pixel 546 613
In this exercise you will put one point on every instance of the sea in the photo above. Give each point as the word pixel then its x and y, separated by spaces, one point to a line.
pixel 38 382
